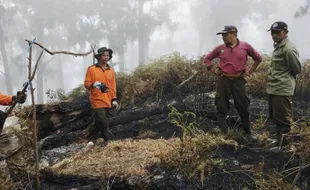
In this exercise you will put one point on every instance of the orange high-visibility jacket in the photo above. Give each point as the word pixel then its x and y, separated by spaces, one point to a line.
pixel 5 100
pixel 99 99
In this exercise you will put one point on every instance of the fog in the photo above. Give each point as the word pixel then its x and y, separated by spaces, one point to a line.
pixel 138 31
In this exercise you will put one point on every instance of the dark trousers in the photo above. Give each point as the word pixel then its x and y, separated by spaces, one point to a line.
pixel 101 117
pixel 280 112
pixel 235 87
pixel 2 120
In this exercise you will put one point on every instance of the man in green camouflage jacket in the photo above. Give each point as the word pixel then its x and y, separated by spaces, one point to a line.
pixel 281 82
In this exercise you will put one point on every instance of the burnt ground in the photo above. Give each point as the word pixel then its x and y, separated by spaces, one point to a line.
pixel 63 127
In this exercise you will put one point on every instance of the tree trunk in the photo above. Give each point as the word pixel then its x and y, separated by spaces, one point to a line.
pixel 40 78
pixel 5 64
pixel 141 36
pixel 61 74
pixel 133 58
pixel 40 85
pixel 141 51
pixel 122 66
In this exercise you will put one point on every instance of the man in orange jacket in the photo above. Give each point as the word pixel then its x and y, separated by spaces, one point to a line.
pixel 6 100
pixel 100 81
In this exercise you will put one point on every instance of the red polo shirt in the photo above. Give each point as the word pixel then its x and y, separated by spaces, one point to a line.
pixel 233 60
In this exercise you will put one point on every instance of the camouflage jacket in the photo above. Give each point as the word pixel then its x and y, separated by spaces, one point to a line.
pixel 285 65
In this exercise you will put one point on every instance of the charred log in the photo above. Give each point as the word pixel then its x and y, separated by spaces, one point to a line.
pixel 57 140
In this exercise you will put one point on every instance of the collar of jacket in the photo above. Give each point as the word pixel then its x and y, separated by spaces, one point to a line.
pixel 98 65
pixel 238 42
pixel 281 43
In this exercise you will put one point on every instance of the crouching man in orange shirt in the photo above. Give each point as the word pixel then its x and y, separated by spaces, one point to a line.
pixel 100 81
pixel 6 100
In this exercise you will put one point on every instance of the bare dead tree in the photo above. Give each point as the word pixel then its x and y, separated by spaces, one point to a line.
pixel 31 76
pixel 62 52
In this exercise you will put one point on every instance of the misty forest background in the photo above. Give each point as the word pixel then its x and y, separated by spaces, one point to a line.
pixel 137 31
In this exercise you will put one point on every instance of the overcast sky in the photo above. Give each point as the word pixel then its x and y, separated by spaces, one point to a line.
pixel 185 39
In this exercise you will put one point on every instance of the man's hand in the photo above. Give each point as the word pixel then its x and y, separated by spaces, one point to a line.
pixel 252 69
pixel 247 74
pixel 101 86
pixel 115 105
pixel 216 71
pixel 20 97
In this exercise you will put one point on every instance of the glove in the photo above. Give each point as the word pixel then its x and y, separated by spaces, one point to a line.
pixel 20 97
pixel 115 105
pixel 101 86
pixel 97 84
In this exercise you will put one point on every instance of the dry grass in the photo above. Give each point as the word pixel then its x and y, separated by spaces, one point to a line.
pixel 303 147
pixel 190 154
pixel 21 166
pixel 260 123
pixel 152 78
pixel 193 155
pixel 303 80
pixel 5 178
pixel 272 181
pixel 146 134
pixel 256 83
pixel 119 158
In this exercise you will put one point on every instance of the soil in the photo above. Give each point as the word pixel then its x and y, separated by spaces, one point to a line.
pixel 63 129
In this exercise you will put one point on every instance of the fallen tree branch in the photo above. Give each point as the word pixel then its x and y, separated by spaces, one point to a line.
pixel 303 166
pixel 30 78
pixel 62 52
pixel 187 80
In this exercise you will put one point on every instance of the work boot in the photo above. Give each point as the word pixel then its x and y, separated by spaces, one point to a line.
pixel 278 144
pixel 246 127
pixel 222 123
pixel 104 134
pixel 249 136
pixel 274 133
pixel 281 138
pixel 93 133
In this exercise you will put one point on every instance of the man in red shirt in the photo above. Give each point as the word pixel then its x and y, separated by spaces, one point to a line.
pixel 232 69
